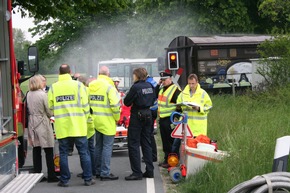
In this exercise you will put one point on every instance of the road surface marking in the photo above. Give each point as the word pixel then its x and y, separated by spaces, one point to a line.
pixel 150 185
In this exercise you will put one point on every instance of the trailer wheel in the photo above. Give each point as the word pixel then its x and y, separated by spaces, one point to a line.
pixel 175 174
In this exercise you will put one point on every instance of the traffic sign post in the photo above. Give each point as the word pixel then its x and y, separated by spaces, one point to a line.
pixel 182 131
pixel 183 144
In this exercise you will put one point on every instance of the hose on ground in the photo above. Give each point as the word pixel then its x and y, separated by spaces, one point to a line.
pixel 269 183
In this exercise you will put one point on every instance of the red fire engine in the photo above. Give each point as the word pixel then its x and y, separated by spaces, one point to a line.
pixel 12 109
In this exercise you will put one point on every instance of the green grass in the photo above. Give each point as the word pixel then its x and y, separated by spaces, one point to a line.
pixel 247 127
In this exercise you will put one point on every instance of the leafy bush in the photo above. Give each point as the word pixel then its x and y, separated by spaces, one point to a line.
pixel 275 67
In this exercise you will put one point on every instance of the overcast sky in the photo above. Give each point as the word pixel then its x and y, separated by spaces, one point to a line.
pixel 24 24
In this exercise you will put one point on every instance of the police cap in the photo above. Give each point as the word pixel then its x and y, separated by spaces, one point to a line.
pixel 165 75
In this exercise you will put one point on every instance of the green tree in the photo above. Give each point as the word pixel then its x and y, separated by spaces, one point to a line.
pixel 157 22
pixel 95 30
pixel 201 17
pixel 20 45
pixel 54 9
pixel 275 67
pixel 68 25
pixel 278 12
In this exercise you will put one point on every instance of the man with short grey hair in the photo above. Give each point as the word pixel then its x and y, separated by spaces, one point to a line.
pixel 104 101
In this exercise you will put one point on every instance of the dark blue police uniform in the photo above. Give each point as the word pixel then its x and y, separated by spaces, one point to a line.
pixel 141 96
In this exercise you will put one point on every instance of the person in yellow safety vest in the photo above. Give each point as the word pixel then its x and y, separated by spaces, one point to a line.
pixel 104 100
pixel 167 96
pixel 71 142
pixel 69 101
pixel 91 129
pixel 197 113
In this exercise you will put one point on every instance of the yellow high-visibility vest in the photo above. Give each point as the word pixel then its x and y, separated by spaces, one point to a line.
pixel 90 122
pixel 104 100
pixel 197 121
pixel 165 107
pixel 69 101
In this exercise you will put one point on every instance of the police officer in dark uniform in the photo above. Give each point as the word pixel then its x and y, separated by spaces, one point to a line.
pixel 154 116
pixel 167 93
pixel 140 97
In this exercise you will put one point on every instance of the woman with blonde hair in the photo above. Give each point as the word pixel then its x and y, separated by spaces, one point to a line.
pixel 40 132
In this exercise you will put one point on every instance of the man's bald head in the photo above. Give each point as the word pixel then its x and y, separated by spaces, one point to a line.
pixel 104 70
pixel 64 69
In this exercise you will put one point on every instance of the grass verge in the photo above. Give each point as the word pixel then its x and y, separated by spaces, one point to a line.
pixel 247 127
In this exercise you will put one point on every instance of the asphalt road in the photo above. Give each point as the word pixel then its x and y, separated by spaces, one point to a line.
pixel 120 166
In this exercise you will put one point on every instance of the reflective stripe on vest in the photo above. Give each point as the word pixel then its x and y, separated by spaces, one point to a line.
pixel 206 107
pixel 67 106
pixel 105 106
pixel 165 108
pixel 197 117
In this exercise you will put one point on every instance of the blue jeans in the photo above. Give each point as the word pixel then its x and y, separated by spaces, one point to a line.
pixel 103 153
pixel 91 146
pixel 81 144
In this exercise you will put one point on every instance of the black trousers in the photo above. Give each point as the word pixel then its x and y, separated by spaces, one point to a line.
pixel 153 142
pixel 139 134
pixel 37 161
pixel 167 140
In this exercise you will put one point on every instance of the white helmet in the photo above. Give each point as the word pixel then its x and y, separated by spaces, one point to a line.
pixel 116 79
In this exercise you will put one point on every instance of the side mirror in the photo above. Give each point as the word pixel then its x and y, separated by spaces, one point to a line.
pixel 33 59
